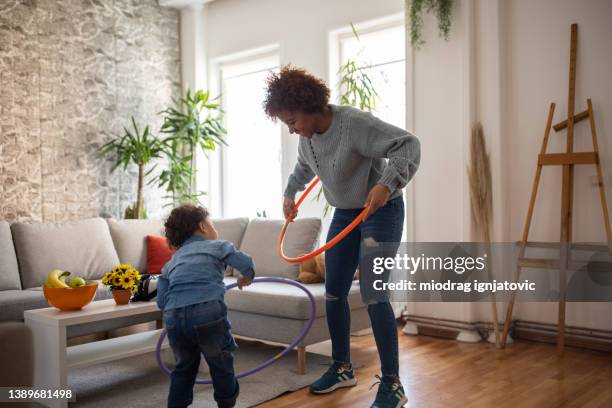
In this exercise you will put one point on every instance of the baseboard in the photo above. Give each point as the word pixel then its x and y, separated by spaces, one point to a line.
pixel 443 328
pixel 591 339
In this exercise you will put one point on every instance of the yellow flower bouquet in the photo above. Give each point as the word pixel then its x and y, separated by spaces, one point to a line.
pixel 123 276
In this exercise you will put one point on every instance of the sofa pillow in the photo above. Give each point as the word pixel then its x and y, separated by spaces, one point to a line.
pixel 232 230
pixel 83 247
pixel 260 242
pixel 130 239
pixel 158 253
pixel 9 271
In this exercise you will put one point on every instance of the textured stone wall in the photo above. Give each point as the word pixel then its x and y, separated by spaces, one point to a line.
pixel 71 74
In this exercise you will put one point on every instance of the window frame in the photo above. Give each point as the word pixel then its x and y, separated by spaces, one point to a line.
pixel 336 37
pixel 218 161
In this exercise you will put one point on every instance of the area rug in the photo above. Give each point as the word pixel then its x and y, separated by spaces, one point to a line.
pixel 137 382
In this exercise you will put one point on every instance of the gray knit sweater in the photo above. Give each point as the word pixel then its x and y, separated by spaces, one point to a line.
pixel 355 153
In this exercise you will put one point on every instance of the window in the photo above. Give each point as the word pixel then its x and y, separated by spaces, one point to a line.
pixel 251 163
pixel 383 51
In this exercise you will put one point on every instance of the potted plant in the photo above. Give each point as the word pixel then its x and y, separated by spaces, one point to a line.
pixel 134 147
pixel 194 122
pixel 122 281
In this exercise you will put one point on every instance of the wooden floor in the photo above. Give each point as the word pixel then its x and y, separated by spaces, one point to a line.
pixel 445 373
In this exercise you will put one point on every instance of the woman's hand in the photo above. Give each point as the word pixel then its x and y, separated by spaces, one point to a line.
pixel 288 208
pixel 377 197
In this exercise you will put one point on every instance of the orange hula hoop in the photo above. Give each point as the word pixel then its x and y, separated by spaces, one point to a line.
pixel 327 245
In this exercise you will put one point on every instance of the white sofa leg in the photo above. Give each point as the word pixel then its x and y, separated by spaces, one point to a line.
pixel 301 356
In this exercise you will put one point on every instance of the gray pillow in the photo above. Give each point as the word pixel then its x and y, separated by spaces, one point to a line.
pixel 9 272
pixel 130 239
pixel 232 230
pixel 84 248
pixel 261 238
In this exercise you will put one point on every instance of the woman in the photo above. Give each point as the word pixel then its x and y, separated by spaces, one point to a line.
pixel 361 161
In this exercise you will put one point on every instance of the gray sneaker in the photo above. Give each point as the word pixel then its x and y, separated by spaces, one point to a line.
pixel 335 377
pixel 390 393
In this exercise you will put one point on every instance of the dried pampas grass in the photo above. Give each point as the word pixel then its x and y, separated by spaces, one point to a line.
pixel 480 183
pixel 481 195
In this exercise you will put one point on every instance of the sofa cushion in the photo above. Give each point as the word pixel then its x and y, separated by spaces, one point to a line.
pixel 17 356
pixel 84 248
pixel 130 239
pixel 260 242
pixel 232 230
pixel 279 299
pixel 14 302
pixel 9 271
pixel 158 253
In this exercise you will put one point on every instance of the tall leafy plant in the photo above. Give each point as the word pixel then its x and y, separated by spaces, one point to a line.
pixel 195 121
pixel 356 86
pixel 134 147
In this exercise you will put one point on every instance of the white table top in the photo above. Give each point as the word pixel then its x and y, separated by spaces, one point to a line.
pixel 96 311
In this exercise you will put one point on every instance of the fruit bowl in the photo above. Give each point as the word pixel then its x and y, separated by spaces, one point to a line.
pixel 70 298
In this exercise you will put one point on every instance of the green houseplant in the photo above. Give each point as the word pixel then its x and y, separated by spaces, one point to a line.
pixel 195 121
pixel 356 88
pixel 415 9
pixel 134 147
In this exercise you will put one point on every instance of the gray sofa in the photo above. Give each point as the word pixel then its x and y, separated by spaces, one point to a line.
pixel 271 312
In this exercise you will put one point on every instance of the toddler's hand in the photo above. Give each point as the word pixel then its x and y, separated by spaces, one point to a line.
pixel 244 281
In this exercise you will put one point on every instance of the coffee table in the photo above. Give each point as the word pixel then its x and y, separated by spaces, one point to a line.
pixel 52 327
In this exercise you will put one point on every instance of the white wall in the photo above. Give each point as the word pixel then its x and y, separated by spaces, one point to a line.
pixel 441 119
pixel 438 121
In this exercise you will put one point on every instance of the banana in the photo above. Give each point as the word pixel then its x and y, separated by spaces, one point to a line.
pixel 56 279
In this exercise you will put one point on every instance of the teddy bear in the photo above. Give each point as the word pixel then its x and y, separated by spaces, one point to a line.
pixel 312 270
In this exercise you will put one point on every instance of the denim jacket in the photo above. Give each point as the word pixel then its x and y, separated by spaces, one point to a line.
pixel 195 272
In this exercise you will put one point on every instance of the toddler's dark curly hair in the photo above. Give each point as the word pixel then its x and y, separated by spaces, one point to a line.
pixel 183 222
pixel 294 90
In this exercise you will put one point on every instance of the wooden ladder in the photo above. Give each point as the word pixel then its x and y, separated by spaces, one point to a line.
pixel 568 160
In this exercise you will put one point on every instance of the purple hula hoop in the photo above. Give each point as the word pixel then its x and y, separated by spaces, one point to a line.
pixel 313 314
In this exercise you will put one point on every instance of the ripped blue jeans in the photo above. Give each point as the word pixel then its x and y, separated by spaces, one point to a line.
pixel 201 329
pixel 341 261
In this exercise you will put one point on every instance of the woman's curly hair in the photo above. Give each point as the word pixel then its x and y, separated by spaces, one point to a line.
pixel 182 222
pixel 294 90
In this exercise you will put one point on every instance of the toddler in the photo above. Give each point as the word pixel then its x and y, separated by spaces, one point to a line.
pixel 190 292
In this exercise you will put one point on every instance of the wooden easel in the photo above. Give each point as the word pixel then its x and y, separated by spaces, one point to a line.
pixel 568 160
